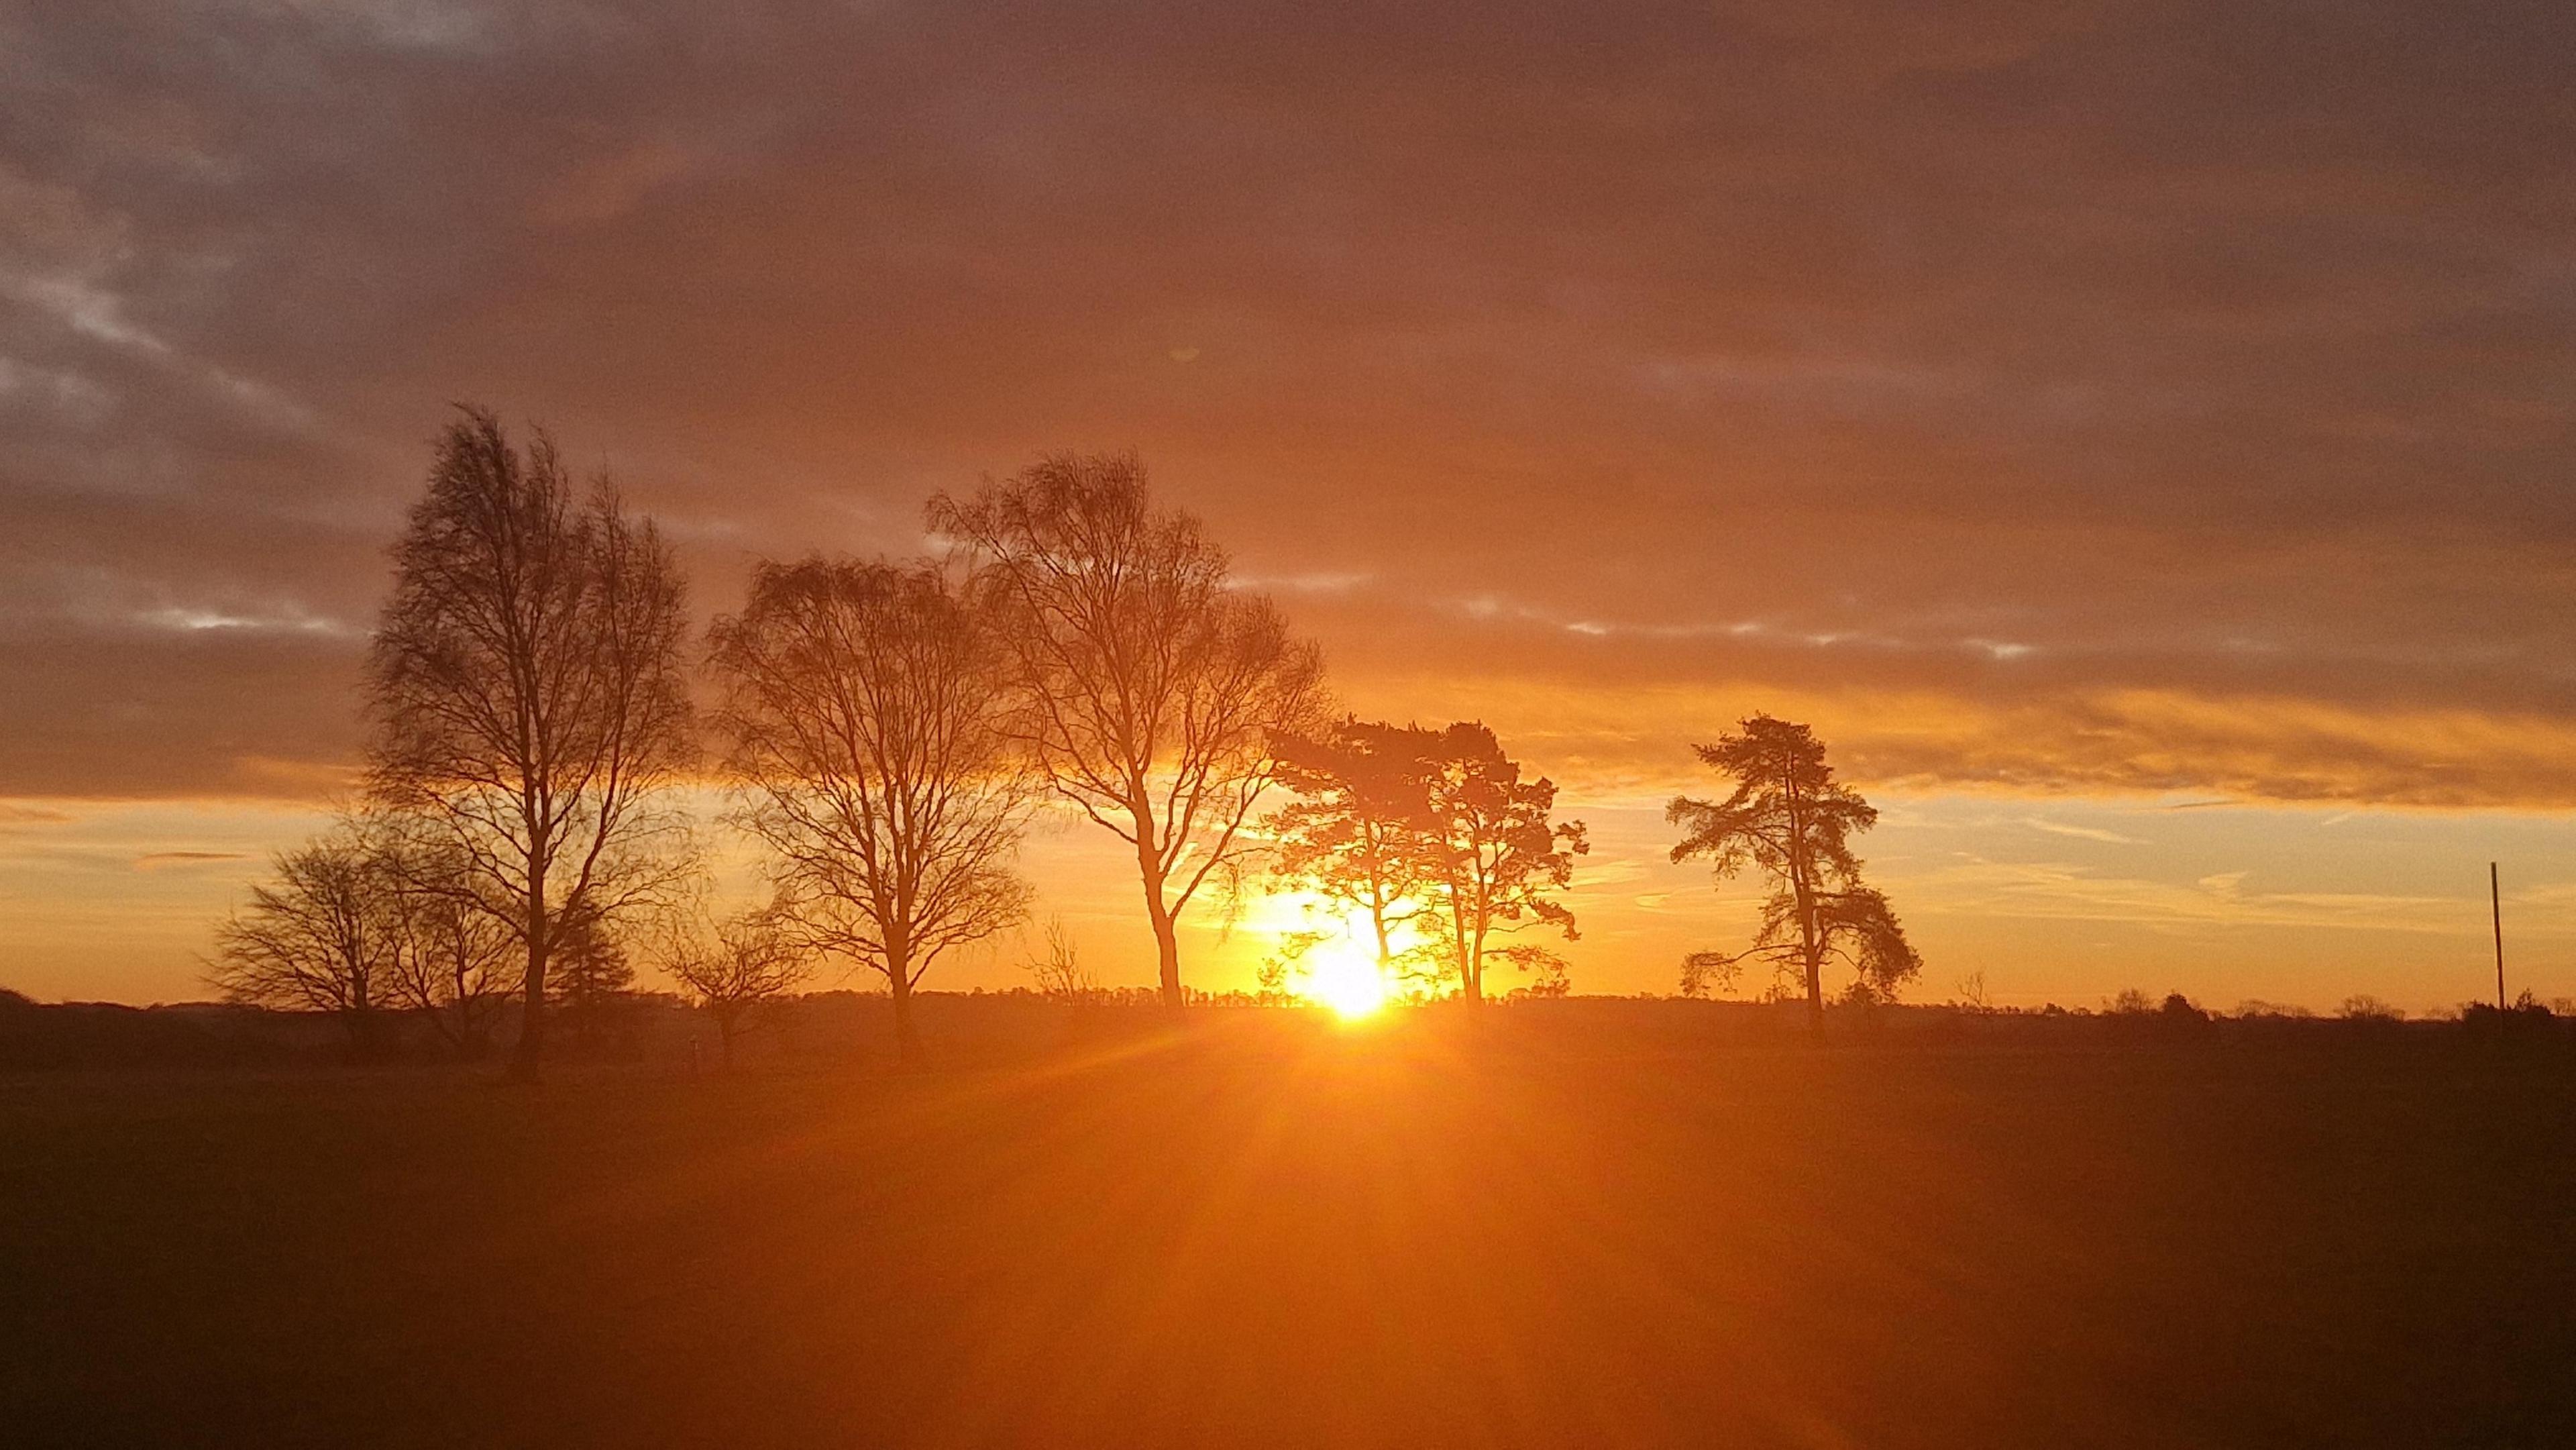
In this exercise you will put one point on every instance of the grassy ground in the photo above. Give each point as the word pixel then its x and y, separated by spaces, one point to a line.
pixel 1511 1232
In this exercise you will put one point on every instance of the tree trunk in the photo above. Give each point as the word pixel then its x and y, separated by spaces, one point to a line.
pixel 1471 955
pixel 1812 958
pixel 1385 948
pixel 1815 1000
pixel 532 1005
pixel 1167 941
pixel 724 1041
pixel 1167 953
pixel 907 1038
pixel 1810 951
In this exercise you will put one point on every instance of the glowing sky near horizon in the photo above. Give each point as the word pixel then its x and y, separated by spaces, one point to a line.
pixel 2080 413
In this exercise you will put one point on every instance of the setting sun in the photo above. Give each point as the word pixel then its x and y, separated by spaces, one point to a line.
pixel 1345 977
pixel 971 723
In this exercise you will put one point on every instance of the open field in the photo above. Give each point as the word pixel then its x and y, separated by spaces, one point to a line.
pixel 1548 1227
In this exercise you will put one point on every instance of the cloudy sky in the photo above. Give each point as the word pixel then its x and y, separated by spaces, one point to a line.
pixel 2136 435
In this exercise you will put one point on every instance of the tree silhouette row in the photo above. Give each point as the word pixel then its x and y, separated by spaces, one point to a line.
pixel 886 732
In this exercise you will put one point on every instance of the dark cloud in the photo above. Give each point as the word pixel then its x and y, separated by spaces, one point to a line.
pixel 2018 357
pixel 157 860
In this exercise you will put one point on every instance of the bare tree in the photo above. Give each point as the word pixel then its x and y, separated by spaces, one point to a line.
pixel 1789 817
pixel 1973 996
pixel 1493 857
pixel 734 967
pixel 452 960
pixel 527 693
pixel 1060 974
pixel 319 937
pixel 867 708
pixel 1155 692
pixel 2129 1002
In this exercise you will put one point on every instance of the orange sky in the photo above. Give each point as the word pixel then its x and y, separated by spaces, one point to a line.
pixel 2076 411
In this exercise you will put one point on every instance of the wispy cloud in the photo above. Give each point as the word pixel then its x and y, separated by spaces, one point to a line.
pixel 2081 833
pixel 2046 891
pixel 157 860
pixel 291 621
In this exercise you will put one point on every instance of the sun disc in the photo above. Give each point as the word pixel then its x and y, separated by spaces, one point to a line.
pixel 1351 986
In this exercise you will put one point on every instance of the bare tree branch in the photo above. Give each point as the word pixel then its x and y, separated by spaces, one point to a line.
pixel 1151 692
pixel 869 711
pixel 527 694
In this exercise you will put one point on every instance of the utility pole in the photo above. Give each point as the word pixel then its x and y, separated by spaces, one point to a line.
pixel 2495 902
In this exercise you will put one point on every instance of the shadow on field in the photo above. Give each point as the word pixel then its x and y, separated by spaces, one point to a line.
pixel 1544 1226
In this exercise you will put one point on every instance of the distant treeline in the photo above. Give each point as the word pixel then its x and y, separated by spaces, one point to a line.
pixel 660 1031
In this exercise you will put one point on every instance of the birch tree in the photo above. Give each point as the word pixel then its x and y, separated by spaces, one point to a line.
pixel 1154 692
pixel 527 695
pixel 868 709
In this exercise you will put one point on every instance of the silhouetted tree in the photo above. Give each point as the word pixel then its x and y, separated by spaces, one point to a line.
pixel 1973 996
pixel 1491 856
pixel 527 693
pixel 591 980
pixel 2526 1016
pixel 452 960
pixel 1270 979
pixel 1060 974
pixel 1788 817
pixel 2180 1015
pixel 1360 833
pixel 321 936
pixel 867 705
pixel 1154 691
pixel 733 967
